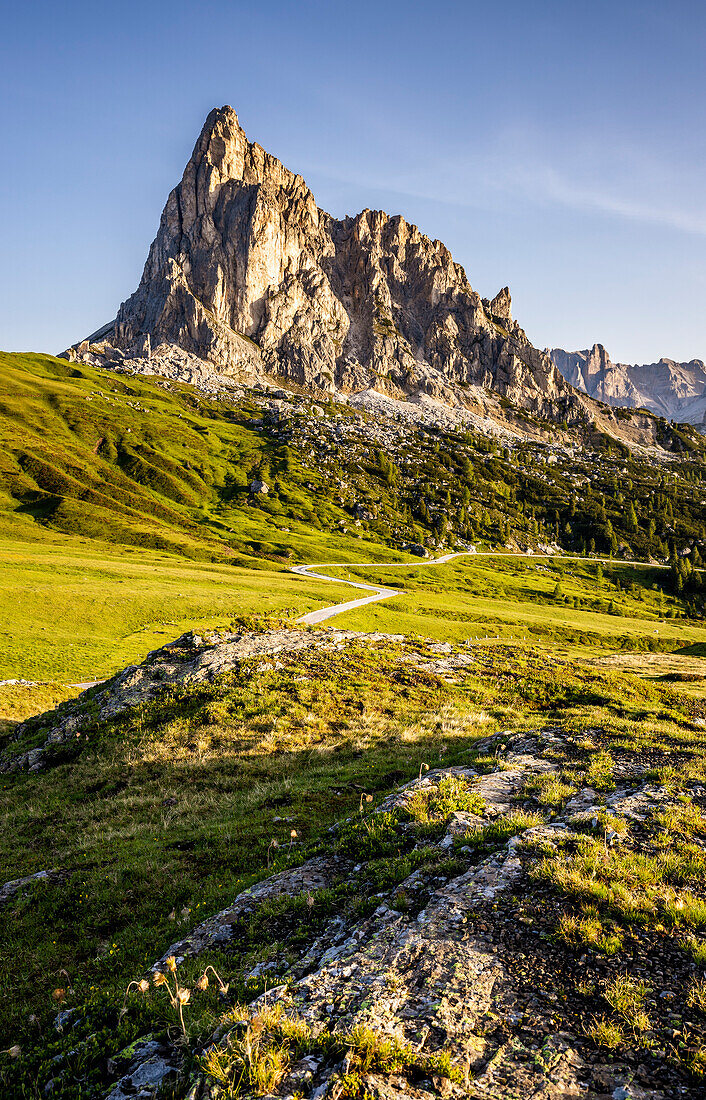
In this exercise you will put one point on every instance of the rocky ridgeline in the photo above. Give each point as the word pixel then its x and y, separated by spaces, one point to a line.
pixel 248 282
pixel 667 388
pixel 442 966
pixel 248 276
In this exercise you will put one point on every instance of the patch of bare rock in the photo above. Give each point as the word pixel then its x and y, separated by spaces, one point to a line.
pixel 9 890
pixel 446 961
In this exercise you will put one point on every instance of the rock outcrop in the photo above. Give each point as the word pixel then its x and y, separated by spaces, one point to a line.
pixel 667 388
pixel 249 275
pixel 439 943
pixel 190 659
pixel 444 967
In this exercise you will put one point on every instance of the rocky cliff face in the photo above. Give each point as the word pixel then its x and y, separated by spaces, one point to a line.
pixel 248 274
pixel 667 388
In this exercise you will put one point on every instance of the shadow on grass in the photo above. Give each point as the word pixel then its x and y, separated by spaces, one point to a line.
pixel 696 649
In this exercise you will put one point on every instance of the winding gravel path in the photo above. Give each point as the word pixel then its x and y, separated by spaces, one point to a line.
pixel 380 593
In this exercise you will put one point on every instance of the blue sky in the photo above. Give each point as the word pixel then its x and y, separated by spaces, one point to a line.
pixel 558 148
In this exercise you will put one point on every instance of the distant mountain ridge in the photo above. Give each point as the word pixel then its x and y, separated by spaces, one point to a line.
pixel 674 390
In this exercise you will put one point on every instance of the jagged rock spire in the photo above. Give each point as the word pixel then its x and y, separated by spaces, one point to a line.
pixel 247 273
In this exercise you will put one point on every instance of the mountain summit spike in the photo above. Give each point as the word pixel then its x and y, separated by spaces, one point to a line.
pixel 250 277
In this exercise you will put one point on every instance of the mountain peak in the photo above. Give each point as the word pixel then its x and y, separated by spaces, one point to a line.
pixel 220 119
pixel 248 274
pixel 220 144
pixel 667 388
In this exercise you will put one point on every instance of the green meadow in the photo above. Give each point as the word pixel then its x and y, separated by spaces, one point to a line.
pixel 126 520
pixel 571 606
pixel 73 610
pixel 151 464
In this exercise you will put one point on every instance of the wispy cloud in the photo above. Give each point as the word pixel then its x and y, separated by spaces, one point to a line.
pixel 628 185
pixel 547 184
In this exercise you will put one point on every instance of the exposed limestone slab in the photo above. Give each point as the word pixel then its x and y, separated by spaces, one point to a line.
pixel 434 978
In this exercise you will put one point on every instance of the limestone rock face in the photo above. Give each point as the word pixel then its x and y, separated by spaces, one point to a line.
pixel 501 304
pixel 249 275
pixel 667 388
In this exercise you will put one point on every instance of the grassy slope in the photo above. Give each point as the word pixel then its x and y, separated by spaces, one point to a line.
pixel 169 813
pixel 142 462
pixel 125 515
pixel 125 518
pixel 166 815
